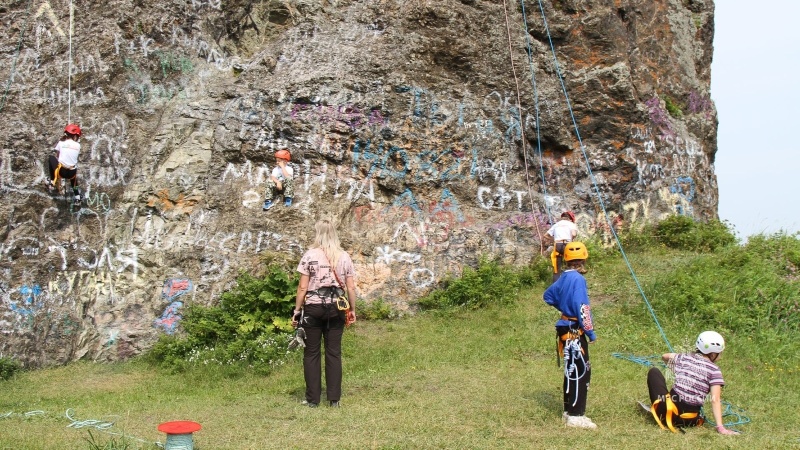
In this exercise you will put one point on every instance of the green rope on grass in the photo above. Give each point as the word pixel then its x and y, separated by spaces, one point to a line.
pixel 100 425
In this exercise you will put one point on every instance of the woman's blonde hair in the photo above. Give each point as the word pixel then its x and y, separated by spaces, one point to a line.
pixel 328 240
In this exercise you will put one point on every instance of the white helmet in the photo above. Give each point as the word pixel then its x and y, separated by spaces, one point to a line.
pixel 710 342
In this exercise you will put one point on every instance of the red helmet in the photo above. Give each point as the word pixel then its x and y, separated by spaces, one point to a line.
pixel 72 129
pixel 283 154
pixel 569 215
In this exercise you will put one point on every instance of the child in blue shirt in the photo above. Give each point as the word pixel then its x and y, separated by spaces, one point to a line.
pixel 570 296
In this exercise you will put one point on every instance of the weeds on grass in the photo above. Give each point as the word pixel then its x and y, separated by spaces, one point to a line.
pixel 8 367
pixel 378 309
pixel 680 233
pixel 112 444
pixel 490 284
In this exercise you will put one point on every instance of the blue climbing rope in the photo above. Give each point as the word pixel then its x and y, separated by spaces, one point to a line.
pixel 738 414
pixel 594 181
pixel 16 55
pixel 536 106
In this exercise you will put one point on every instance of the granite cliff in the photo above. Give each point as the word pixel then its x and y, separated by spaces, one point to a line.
pixel 432 131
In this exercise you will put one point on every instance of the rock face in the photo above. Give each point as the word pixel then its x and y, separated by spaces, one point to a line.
pixel 433 132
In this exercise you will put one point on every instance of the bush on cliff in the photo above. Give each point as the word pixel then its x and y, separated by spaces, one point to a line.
pixel 249 327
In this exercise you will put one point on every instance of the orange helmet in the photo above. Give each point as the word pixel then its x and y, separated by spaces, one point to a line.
pixel 569 215
pixel 73 129
pixel 575 250
pixel 283 154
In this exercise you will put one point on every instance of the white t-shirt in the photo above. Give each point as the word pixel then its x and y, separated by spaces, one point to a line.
pixel 563 230
pixel 278 173
pixel 68 151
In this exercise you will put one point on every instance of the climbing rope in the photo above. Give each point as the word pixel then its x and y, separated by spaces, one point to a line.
pixel 738 414
pixel 69 70
pixel 537 118
pixel 595 184
pixel 99 425
pixel 522 124
pixel 16 54
pixel 572 354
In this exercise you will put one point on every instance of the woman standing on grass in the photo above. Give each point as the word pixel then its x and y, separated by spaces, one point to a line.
pixel 322 269
pixel 696 376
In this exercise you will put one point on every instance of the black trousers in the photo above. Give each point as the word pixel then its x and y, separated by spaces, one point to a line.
pixel 576 390
pixel 323 323
pixel 657 387
pixel 71 175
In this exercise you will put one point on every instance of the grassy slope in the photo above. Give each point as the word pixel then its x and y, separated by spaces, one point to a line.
pixel 468 379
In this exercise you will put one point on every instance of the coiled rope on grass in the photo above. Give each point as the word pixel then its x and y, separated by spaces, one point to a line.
pixel 99 425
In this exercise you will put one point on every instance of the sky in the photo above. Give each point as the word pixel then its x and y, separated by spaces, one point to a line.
pixel 755 84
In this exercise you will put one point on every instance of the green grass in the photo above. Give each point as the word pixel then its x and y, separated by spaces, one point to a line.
pixel 451 379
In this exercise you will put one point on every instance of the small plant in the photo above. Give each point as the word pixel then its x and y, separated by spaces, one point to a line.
pixel 683 232
pixel 673 108
pixel 112 444
pixel 9 367
pixel 742 288
pixel 539 271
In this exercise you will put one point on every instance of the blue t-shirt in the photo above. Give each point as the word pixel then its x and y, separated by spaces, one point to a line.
pixel 570 296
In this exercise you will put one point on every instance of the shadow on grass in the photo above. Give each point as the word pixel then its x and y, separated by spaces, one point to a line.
pixel 551 401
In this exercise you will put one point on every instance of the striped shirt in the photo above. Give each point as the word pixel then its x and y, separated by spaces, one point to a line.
pixel 694 376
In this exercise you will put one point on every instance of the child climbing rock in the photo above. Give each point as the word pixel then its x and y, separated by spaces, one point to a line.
pixel 64 162
pixel 281 180
pixel 562 232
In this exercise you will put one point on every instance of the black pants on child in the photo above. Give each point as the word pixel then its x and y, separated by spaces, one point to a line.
pixel 657 386
pixel 71 175
pixel 576 382
pixel 323 323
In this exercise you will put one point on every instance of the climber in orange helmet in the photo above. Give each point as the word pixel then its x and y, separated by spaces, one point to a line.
pixel 280 180
pixel 63 164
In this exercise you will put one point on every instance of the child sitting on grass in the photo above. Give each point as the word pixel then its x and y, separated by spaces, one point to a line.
pixel 696 375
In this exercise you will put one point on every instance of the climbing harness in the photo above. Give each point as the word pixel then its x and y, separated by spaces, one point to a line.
pixel 570 343
pixel 672 412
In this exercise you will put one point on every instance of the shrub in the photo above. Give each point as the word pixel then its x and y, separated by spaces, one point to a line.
pixel 9 367
pixel 249 326
pixel 378 309
pixel 743 289
pixel 489 284
pixel 683 232
pixel 539 271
